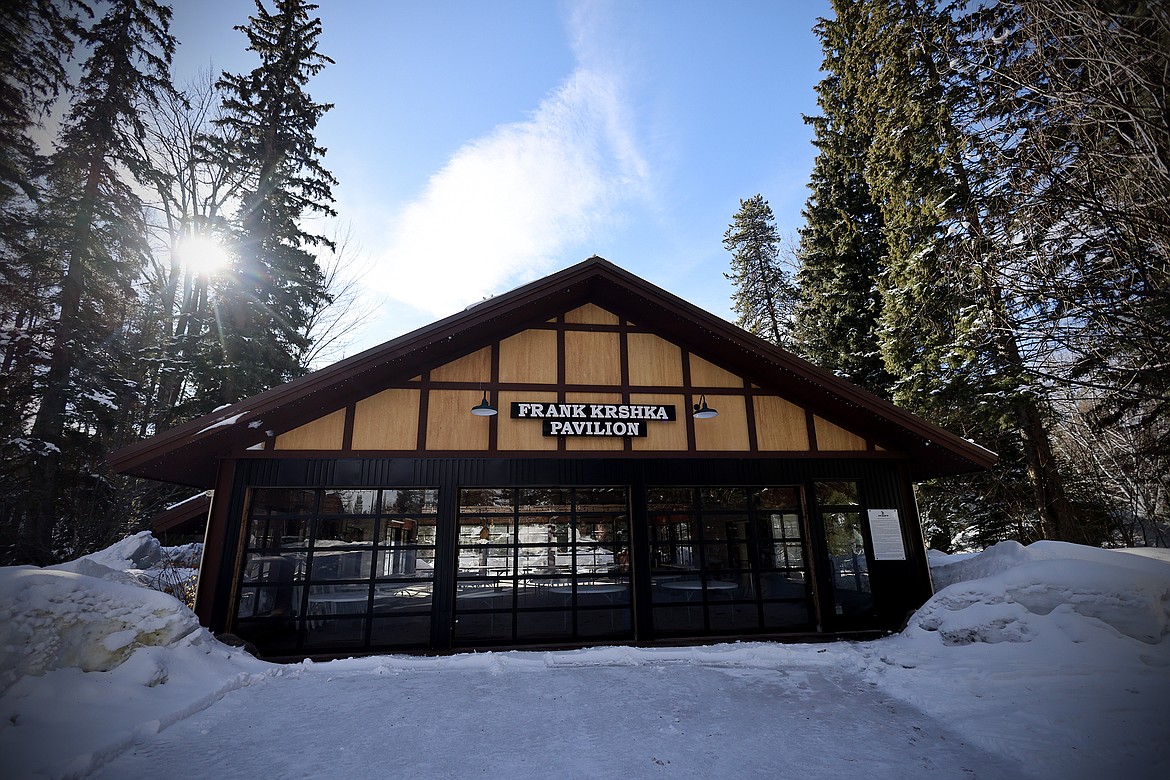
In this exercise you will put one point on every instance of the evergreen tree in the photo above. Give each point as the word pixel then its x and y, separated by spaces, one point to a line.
pixel 841 243
pixel 905 208
pixel 950 331
pixel 90 228
pixel 1081 105
pixel 267 132
pixel 763 292
pixel 38 38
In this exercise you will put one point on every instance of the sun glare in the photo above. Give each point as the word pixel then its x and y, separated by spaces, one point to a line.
pixel 202 254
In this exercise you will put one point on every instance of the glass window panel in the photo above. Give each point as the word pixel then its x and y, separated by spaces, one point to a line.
pixel 670 587
pixel 771 555
pixel 276 637
pixel 670 498
pixel 401 631
pixel 472 600
pixel 716 557
pixel 484 530
pixel 425 530
pixel 609 499
pixel 675 556
pixel 790 585
pixel 280 532
pixel 682 618
pixel 486 500
pixel 725 616
pixel 724 498
pixel 848 565
pixel 795 556
pixel 401 530
pixel 836 493
pixel 265 568
pixel 725 527
pixel 335 632
pixel 405 561
pixel 272 600
pixel 673 528
pixel 335 531
pixel 349 502
pixel 787 615
pixel 791 527
pixel 551 624
pixel 777 498
pixel 329 601
pixel 536 529
pixel 539 560
pixel 486 560
pixel 401 597
pixel 341 564
pixel 282 501
pixel 545 500
pixel 410 502
pixel 612 621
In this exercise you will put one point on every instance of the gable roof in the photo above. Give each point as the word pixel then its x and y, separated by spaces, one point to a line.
pixel 188 454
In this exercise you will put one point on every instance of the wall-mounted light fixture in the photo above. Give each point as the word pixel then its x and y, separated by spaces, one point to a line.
pixel 483 408
pixel 704 412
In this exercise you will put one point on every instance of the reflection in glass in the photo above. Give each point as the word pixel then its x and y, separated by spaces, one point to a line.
pixel 320 562
pixel 601 500
pixel 724 498
pixel 777 498
pixel 532 573
pixel 837 494
pixel 410 502
pixel 848 566
pixel 670 498
pixel 406 561
pixel 282 501
pixel 349 502
pixel 341 564
pixel 280 532
pixel 332 532
pixel 752 542
pixel 486 500
pixel 545 500
pixel 346 631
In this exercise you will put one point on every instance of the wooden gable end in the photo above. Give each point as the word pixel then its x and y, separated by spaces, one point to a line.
pixel 591 333
pixel 586 355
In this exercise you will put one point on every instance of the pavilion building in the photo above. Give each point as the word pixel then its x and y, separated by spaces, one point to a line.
pixel 586 459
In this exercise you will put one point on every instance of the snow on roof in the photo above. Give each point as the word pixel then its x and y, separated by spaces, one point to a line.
pixel 224 423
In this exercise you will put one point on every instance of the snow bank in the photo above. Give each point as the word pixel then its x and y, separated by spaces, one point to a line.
pixel 997 596
pixel 90 660
pixel 1053 655
pixel 56 619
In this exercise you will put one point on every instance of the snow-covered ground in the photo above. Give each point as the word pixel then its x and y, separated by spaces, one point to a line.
pixel 1051 660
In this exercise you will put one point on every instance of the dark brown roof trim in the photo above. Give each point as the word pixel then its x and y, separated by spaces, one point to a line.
pixel 187 454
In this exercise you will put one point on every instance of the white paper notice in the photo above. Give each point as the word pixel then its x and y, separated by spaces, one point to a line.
pixel 886 532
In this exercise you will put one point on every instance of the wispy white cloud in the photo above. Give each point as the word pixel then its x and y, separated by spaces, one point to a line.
pixel 505 206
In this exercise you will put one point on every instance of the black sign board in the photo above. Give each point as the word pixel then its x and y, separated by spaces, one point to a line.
pixel 588 419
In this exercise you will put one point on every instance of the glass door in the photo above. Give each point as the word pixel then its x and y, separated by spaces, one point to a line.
pixel 839 507
pixel 727 560
pixel 542 564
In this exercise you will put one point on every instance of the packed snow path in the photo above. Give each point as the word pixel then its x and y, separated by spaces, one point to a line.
pixel 515 718
pixel 1051 660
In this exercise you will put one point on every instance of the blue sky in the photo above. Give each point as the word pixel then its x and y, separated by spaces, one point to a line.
pixel 480 145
